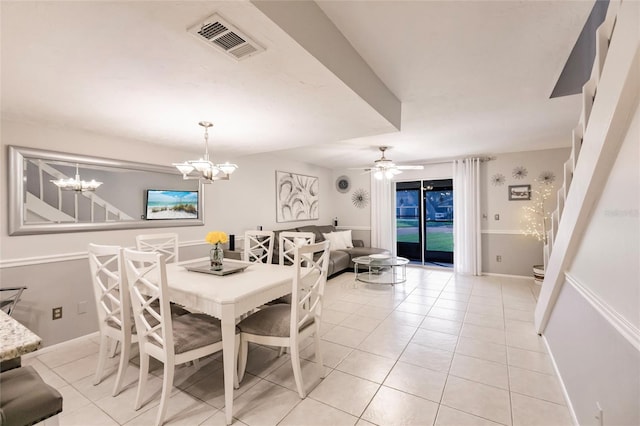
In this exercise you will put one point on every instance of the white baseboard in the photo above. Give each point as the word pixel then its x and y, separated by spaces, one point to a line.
pixel 567 400
pixel 59 345
pixel 522 277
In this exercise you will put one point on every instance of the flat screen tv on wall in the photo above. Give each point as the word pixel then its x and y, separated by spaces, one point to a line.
pixel 169 204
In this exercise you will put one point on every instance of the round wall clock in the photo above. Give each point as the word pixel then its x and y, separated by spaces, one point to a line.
pixel 343 184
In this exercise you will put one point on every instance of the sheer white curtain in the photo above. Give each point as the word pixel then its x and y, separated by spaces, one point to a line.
pixel 467 251
pixel 383 218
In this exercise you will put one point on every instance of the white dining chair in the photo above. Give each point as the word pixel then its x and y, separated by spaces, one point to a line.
pixel 171 341
pixel 113 306
pixel 166 244
pixel 287 325
pixel 258 246
pixel 288 241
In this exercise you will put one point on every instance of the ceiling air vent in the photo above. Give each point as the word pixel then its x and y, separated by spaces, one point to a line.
pixel 219 33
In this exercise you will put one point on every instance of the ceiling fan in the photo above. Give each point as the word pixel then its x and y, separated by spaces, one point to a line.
pixel 385 168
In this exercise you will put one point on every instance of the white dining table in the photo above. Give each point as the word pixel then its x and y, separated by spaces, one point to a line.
pixel 227 298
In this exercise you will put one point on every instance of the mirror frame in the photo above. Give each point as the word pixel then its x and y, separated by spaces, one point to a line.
pixel 16 194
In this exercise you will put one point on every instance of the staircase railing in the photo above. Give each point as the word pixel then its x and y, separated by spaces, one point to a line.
pixel 111 212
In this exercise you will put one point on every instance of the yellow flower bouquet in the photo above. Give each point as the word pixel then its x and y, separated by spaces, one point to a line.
pixel 217 237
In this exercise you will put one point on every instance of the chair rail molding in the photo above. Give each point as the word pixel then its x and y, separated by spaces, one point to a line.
pixel 629 331
pixel 67 257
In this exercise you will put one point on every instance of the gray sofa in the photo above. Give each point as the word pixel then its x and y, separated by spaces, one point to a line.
pixel 339 260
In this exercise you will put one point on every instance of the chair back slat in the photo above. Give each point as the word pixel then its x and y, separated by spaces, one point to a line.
pixel 10 296
pixel 165 244
pixel 258 246
pixel 146 274
pixel 311 265
pixel 109 286
pixel 288 241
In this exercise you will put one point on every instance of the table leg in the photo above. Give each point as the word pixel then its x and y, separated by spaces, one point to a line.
pixel 228 325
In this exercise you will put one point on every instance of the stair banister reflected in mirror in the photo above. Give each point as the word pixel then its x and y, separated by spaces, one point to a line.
pixel 38 206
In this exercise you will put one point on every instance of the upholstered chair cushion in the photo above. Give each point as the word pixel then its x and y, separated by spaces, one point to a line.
pixel 25 398
pixel 270 321
pixel 194 331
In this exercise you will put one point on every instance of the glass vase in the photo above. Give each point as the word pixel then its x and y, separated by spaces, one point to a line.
pixel 216 255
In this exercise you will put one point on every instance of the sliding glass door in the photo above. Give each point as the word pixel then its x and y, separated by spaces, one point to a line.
pixel 438 221
pixel 409 220
pixel 424 220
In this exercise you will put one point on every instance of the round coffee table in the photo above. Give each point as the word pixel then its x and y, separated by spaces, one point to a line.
pixel 380 269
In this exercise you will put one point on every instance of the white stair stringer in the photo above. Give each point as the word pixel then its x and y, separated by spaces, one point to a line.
pixel 589 89
pixel 616 97
pixel 44 211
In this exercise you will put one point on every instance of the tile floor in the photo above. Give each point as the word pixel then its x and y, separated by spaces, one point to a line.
pixel 439 350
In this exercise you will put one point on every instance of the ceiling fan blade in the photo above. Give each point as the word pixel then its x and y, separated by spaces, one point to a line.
pixel 410 167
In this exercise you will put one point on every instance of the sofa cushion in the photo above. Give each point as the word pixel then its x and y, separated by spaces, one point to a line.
pixel 338 260
pixel 339 240
pixel 318 230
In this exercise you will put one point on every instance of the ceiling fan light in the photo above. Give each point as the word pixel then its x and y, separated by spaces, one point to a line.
pixel 378 175
pixel 389 174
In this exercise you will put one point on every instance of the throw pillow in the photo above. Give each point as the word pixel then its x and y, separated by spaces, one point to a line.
pixel 339 240
pixel 297 242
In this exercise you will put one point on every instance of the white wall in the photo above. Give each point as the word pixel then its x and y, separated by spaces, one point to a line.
pixel 248 200
pixel 608 260
pixel 495 198
pixel 342 204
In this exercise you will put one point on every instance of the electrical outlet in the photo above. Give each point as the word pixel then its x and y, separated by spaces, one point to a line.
pixel 498 258
pixel 82 307
pixel 496 216
pixel 56 313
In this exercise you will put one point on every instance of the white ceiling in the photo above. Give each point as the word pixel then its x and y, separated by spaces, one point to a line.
pixel 473 77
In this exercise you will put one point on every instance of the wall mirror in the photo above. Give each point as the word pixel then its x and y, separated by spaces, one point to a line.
pixel 132 195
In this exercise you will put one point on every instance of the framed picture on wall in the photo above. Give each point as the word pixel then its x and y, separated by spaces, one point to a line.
pixel 297 197
pixel 519 192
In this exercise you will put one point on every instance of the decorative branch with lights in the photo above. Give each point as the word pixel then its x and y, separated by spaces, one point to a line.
pixel 536 216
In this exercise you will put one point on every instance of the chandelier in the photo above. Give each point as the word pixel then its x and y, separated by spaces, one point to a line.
pixel 203 168
pixel 76 184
